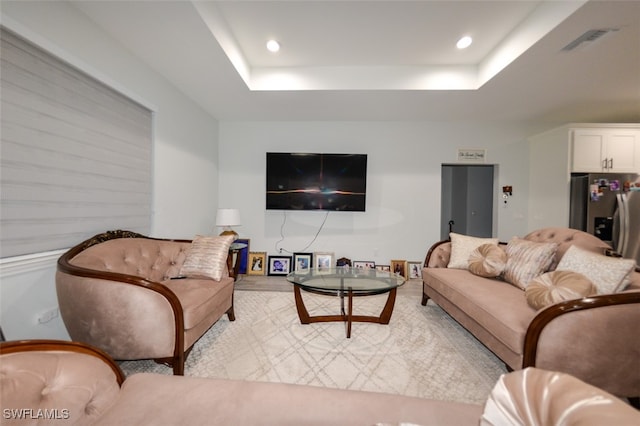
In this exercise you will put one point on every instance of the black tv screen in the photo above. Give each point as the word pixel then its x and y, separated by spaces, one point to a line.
pixel 301 181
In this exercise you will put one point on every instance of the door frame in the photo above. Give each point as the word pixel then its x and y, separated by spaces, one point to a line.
pixel 496 194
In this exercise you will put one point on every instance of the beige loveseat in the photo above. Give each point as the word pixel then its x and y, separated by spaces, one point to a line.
pixel 593 338
pixel 126 294
pixel 65 383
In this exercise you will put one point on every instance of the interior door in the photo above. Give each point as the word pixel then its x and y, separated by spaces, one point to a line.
pixel 467 200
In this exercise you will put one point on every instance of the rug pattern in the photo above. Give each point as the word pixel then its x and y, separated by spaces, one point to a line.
pixel 422 352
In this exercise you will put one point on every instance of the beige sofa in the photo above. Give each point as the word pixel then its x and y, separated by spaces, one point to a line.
pixel 118 291
pixel 593 338
pixel 65 383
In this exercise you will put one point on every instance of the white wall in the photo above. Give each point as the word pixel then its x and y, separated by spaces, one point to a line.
pixel 403 188
pixel 194 157
pixel 185 149
pixel 549 178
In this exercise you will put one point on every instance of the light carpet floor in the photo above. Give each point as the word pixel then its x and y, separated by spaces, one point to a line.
pixel 422 352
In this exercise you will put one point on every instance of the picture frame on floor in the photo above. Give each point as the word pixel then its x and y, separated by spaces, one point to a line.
pixel 364 264
pixel 302 261
pixel 257 262
pixel 399 266
pixel 383 268
pixel 279 265
pixel 344 262
pixel 415 270
pixel 323 261
pixel 243 255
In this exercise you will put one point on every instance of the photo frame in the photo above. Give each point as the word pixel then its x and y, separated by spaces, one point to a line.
pixel 399 266
pixel 279 265
pixel 364 264
pixel 343 261
pixel 257 263
pixel 414 270
pixel 323 261
pixel 383 268
pixel 302 261
pixel 243 255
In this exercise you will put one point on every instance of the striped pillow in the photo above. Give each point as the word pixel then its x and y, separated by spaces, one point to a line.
pixel 527 260
pixel 207 257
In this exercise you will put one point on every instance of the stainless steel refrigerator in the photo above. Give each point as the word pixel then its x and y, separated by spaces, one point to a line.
pixel 604 204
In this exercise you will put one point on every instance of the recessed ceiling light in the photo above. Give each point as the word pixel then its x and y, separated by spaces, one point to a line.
pixel 464 42
pixel 273 46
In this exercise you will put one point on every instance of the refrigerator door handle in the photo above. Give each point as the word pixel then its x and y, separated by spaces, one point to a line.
pixel 623 218
pixel 627 222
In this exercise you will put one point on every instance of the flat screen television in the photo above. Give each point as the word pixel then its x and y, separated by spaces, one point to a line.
pixel 304 181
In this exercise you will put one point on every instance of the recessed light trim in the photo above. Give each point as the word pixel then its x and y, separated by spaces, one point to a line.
pixel 273 46
pixel 464 42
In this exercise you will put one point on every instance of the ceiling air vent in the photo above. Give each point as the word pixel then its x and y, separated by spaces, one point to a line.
pixel 587 38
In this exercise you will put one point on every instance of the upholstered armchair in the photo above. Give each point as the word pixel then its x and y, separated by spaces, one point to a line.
pixel 137 297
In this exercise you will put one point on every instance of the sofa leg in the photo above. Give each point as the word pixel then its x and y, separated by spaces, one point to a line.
pixel 425 299
pixel 178 368
pixel 179 361
pixel 231 314
pixel 176 363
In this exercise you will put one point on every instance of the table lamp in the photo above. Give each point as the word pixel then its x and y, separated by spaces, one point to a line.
pixel 226 218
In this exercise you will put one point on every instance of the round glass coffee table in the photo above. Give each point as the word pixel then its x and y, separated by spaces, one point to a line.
pixel 345 282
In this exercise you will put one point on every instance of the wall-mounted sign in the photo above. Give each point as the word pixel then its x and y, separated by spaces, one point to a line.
pixel 477 155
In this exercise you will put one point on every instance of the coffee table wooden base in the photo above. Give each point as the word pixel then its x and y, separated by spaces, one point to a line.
pixel 347 317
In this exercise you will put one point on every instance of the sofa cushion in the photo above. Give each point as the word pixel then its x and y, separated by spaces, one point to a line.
pixel 207 257
pixel 199 298
pixel 496 306
pixel 180 400
pixel 526 260
pixel 609 274
pixel 462 246
pixel 538 397
pixel 154 260
pixel 558 286
pixel 488 260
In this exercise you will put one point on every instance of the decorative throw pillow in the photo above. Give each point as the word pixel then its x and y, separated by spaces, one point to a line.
pixel 526 260
pixel 488 260
pixel 558 286
pixel 207 257
pixel 608 274
pixel 462 246
pixel 538 397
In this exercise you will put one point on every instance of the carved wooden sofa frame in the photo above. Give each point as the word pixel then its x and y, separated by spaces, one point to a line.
pixel 66 268
pixel 618 310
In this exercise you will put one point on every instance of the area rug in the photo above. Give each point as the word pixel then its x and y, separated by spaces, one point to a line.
pixel 421 352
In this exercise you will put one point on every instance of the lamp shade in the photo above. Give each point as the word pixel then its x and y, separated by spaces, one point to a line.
pixel 228 217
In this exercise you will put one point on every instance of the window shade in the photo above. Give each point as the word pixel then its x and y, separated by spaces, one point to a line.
pixel 75 155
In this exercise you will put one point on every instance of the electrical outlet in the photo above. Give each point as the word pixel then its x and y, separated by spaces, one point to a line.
pixel 280 251
pixel 48 315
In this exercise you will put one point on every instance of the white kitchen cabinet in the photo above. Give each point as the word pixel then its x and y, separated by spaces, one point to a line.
pixel 605 150
pixel 580 148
